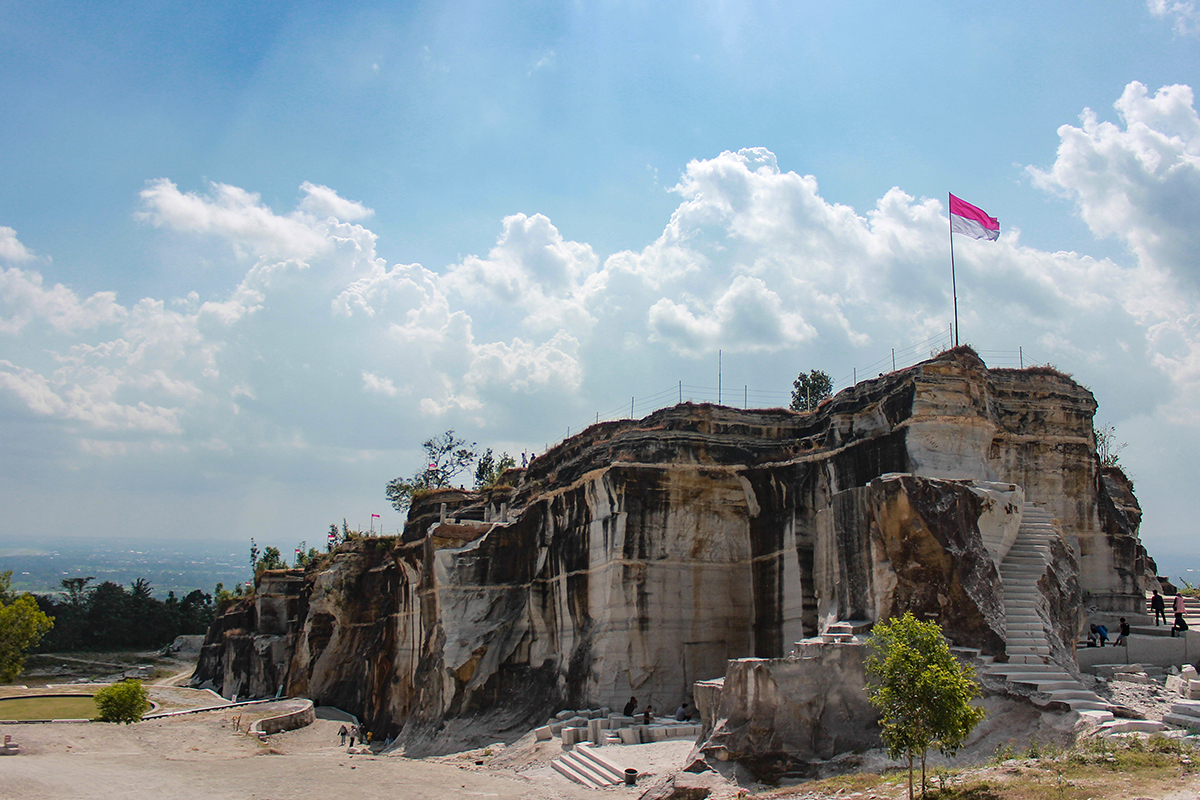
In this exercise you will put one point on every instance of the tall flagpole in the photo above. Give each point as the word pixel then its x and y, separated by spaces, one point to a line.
pixel 953 282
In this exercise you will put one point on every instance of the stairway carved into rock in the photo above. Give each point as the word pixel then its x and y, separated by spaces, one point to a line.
pixel 1029 661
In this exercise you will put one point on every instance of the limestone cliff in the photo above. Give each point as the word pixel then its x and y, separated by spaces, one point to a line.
pixel 639 556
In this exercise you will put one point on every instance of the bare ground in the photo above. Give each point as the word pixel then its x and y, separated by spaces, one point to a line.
pixel 203 756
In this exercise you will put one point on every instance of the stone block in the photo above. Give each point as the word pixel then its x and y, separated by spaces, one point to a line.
pixel 1193 691
pixel 628 735
pixel 556 727
pixel 658 734
pixel 620 720
pixel 1188 672
pixel 1177 685
pixel 564 715
pixel 595 732
pixel 543 733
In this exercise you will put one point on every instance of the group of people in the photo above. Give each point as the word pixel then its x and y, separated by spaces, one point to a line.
pixel 1098 634
pixel 682 714
pixel 362 735
pixel 1159 607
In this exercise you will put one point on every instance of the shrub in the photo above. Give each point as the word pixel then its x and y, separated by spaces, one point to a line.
pixel 122 702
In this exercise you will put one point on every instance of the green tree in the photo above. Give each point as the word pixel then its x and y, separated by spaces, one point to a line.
pixel 76 589
pixel 922 692
pixel 271 559
pixel 489 469
pixel 122 702
pixel 22 626
pixel 445 457
pixel 808 390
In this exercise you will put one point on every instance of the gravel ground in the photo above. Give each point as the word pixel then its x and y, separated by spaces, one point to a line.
pixel 1149 700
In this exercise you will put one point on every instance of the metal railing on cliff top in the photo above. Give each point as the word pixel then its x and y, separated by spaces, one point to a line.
pixel 781 398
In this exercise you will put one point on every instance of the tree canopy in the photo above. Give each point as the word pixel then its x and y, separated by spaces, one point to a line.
pixel 110 616
pixel 22 626
pixel 808 390
pixel 489 468
pixel 922 692
pixel 445 457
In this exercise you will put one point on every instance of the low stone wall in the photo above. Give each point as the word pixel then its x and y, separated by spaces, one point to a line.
pixel 303 714
pixel 1159 651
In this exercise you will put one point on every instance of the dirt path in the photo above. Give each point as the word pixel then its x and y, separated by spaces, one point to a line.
pixel 201 756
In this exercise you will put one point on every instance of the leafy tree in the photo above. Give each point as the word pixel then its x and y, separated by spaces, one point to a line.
pixel 271 559
pixel 808 390
pixel 445 457
pixel 122 702
pixel 76 589
pixel 489 469
pixel 22 625
pixel 922 692
pixel 305 555
pixel 141 589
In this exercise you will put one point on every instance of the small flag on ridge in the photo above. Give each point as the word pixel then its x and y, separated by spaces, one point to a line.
pixel 971 221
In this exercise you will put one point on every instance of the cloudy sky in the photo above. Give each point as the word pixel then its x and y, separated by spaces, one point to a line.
pixel 251 255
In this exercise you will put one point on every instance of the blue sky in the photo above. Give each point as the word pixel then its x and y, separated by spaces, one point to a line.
pixel 254 254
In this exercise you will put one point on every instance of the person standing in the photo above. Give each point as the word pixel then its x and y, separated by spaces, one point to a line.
pixel 342 732
pixel 353 734
pixel 1159 607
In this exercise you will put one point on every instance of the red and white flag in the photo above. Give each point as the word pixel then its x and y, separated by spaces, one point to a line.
pixel 971 221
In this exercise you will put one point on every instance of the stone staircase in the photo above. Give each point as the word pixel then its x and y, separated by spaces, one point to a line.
pixel 584 765
pixel 1029 663
pixel 1184 714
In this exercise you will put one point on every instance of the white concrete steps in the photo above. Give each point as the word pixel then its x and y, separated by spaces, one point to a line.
pixel 585 766
pixel 1029 661
pixel 1184 714
pixel 1132 726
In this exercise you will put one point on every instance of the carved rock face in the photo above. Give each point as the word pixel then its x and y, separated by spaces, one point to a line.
pixel 928 541
pixel 639 556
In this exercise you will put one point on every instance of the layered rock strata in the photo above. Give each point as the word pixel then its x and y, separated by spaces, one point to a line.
pixel 640 556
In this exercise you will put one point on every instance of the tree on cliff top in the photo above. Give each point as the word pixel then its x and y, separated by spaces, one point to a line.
pixel 808 390
pixel 1108 449
pixel 490 469
pixel 445 457
pixel 922 692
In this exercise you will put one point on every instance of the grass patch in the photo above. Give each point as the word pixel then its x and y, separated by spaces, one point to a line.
pixel 21 708
pixel 1101 769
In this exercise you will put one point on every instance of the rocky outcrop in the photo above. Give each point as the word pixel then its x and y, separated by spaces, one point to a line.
pixel 640 556
pixel 775 715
